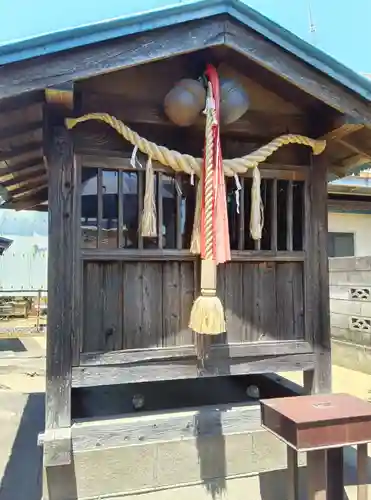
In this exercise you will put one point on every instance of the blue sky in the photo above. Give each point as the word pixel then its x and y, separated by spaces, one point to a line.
pixel 342 26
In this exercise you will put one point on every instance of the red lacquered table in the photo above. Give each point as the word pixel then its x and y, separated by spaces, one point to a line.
pixel 321 425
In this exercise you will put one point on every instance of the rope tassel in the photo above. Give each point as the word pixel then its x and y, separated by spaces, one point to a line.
pixel 149 216
pixel 207 315
pixel 256 215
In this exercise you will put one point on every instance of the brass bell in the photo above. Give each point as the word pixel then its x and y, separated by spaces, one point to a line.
pixel 185 101
pixel 234 101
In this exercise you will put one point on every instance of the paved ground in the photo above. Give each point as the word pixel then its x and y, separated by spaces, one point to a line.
pixel 22 373
pixel 21 417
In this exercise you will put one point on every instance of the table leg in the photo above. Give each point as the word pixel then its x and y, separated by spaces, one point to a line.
pixel 335 474
pixel 293 474
pixel 362 472
pixel 316 474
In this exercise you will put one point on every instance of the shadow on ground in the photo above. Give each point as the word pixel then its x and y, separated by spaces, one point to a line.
pixel 14 345
pixel 22 475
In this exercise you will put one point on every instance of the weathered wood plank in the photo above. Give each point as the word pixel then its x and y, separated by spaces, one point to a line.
pixel 296 72
pixel 249 273
pixel 241 350
pixel 182 255
pixel 187 293
pixel 93 307
pixel 77 272
pixel 317 317
pixel 132 305
pixel 89 60
pixel 57 445
pixel 265 300
pixel 285 309
pixel 152 304
pixel 112 295
pixel 172 301
pixel 165 426
pixel 298 300
pixel 23 166
pixel 234 301
pixel 61 291
pixel 12 131
pixel 89 376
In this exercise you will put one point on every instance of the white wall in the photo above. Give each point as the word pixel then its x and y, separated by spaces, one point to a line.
pixel 359 224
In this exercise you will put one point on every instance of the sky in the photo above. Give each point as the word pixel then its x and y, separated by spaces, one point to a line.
pixel 342 27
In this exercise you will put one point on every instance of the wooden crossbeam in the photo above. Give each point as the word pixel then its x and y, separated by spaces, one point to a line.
pixel 12 153
pixel 254 123
pixel 19 130
pixel 21 180
pixel 21 167
pixel 21 101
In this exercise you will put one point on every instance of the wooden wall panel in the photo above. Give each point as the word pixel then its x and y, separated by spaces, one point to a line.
pixel 131 305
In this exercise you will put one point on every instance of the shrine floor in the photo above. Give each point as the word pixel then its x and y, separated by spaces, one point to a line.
pixel 22 418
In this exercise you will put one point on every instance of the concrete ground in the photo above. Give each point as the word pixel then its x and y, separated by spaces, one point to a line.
pixel 22 370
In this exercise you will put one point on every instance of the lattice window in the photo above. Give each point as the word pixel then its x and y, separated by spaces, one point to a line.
pixel 360 293
pixel 112 202
pixel 360 324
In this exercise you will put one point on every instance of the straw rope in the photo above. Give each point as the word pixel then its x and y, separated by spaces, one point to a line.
pixel 209 181
pixel 190 165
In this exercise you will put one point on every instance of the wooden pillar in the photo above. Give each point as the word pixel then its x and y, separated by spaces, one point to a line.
pixel 62 290
pixel 317 322
pixel 317 314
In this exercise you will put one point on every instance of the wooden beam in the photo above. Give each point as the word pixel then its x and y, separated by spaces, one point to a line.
pixel 27 202
pixel 166 426
pixel 339 204
pixel 23 166
pixel 354 148
pixel 296 72
pixel 344 127
pixel 91 376
pixel 316 286
pixel 22 192
pixel 91 60
pixel 13 131
pixel 352 162
pixel 21 101
pixel 11 153
pixel 7 173
pixel 181 255
pixel 60 161
pixel 61 96
pixel 140 356
pixel 29 178
pixel 254 123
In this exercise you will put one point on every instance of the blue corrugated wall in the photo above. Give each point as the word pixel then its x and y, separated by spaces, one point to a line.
pixel 23 267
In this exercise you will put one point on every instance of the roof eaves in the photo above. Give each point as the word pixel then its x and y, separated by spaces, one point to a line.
pixel 109 29
pixel 179 13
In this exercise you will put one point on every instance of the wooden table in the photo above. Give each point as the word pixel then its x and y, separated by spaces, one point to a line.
pixel 321 425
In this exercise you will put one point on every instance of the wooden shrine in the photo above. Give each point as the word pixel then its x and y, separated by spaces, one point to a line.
pixel 119 300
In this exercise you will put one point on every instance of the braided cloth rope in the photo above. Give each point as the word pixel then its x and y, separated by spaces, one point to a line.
pixel 189 164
